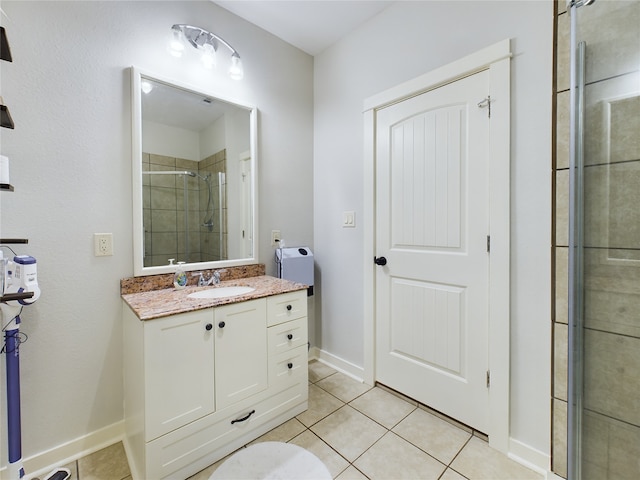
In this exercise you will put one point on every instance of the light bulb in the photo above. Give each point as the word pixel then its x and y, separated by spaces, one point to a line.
pixel 208 56
pixel 176 43
pixel 235 71
pixel 146 87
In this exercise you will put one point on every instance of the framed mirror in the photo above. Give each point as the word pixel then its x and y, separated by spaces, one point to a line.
pixel 194 177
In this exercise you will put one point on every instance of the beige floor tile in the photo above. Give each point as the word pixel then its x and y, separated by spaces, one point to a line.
pixel 394 457
pixel 433 435
pixel 349 432
pixel 447 419
pixel 342 386
pixel 383 407
pixel 352 473
pixel 451 475
pixel 321 404
pixel 282 433
pixel 318 371
pixel 334 462
pixel 479 461
pixel 110 463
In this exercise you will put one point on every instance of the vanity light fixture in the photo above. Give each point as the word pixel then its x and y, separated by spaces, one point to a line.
pixel 207 43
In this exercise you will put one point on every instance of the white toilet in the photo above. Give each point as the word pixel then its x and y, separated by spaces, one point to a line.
pixel 272 461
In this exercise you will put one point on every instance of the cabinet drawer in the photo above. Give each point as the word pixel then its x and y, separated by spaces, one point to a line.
pixel 191 443
pixel 289 368
pixel 285 307
pixel 286 336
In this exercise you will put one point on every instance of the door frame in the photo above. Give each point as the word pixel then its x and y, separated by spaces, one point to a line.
pixel 496 59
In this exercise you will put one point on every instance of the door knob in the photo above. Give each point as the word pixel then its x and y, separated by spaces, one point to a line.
pixel 208 326
pixel 290 365
pixel 289 307
pixel 290 336
pixel 380 261
pixel 221 324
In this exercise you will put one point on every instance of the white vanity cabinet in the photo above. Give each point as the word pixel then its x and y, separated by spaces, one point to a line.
pixel 199 385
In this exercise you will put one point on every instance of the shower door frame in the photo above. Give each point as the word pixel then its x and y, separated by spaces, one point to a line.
pixel 576 244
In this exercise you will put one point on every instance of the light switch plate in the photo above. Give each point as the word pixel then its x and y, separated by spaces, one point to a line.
pixel 349 219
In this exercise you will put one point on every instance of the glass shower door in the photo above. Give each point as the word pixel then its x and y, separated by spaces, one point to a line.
pixel 604 333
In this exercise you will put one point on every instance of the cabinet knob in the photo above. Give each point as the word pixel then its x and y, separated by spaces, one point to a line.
pixel 290 336
pixel 290 365
pixel 208 326
pixel 289 307
pixel 221 324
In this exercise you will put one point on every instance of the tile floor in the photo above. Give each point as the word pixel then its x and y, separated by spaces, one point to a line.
pixel 360 432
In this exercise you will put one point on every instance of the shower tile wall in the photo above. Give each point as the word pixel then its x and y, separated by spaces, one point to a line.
pixel 611 423
pixel 164 212
pixel 213 245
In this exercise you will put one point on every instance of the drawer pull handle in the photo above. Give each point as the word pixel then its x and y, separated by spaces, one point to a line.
pixel 289 307
pixel 290 365
pixel 290 336
pixel 208 326
pixel 221 324
pixel 246 417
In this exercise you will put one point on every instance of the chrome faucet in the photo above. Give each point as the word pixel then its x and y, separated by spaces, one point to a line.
pixel 213 279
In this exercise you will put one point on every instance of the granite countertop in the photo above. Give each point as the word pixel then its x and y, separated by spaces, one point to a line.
pixel 169 301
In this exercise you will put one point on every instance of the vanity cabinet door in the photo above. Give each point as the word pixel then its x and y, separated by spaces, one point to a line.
pixel 240 351
pixel 179 379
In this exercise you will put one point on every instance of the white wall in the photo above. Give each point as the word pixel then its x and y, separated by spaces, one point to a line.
pixel 403 42
pixel 68 90
pixel 170 141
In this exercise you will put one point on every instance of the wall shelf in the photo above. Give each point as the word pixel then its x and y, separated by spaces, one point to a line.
pixel 7 297
pixel 5 51
pixel 5 117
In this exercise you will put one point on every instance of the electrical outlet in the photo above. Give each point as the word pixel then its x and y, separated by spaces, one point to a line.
pixel 275 238
pixel 103 244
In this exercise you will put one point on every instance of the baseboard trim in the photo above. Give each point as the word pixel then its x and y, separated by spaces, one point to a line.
pixel 44 462
pixel 529 457
pixel 343 366
pixel 554 476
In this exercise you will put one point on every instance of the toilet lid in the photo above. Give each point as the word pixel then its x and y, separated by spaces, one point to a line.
pixel 272 461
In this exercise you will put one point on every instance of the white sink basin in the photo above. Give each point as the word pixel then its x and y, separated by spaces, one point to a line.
pixel 221 292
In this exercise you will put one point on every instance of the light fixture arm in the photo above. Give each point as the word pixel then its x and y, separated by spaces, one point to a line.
pixel 198 37
pixel 206 41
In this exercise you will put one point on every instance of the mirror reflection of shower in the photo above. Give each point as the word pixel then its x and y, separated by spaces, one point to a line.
pixel 184 209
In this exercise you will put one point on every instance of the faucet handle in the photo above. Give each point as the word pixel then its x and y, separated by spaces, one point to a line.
pixel 216 275
pixel 201 280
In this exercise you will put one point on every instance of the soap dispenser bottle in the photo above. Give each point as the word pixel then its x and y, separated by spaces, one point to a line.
pixel 180 277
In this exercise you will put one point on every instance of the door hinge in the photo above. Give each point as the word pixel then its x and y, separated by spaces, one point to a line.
pixel 486 103
pixel 488 378
pixel 488 243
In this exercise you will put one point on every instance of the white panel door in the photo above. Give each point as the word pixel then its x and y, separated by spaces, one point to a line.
pixel 432 218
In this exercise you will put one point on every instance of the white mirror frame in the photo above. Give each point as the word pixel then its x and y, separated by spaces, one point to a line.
pixel 136 142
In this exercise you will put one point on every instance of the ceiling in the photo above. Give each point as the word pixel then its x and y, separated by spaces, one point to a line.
pixel 310 25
